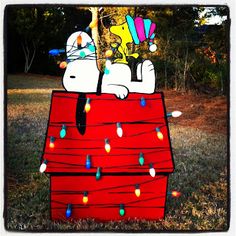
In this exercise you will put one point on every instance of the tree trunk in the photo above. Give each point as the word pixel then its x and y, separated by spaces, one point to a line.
pixel 185 69
pixel 29 56
pixel 165 74
pixel 95 34
pixel 176 69
pixel 165 59
pixel 221 83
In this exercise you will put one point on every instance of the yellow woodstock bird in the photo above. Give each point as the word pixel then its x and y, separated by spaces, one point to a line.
pixel 133 31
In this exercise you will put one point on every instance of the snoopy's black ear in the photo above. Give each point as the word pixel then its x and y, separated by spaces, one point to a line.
pixel 80 114
pixel 88 31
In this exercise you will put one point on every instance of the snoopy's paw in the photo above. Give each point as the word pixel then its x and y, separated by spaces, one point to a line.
pixel 145 69
pixel 121 92
pixel 148 66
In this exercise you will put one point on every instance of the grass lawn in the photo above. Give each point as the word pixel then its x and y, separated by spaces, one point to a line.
pixel 200 155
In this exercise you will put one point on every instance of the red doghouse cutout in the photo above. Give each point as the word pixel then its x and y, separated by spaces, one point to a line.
pixel 108 159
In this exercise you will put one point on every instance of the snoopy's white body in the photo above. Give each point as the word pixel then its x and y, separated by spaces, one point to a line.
pixel 82 74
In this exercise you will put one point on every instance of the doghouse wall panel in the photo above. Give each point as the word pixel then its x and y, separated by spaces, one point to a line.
pixel 106 195
pixel 139 128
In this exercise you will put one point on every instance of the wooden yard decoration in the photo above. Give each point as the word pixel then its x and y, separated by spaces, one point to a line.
pixel 108 159
pixel 107 148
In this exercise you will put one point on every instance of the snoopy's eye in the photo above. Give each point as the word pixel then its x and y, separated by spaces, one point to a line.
pixel 72 77
pixel 123 27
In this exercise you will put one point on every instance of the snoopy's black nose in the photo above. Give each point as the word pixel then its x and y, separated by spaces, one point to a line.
pixel 72 77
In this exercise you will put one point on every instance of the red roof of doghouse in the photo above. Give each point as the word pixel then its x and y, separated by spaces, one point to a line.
pixel 86 134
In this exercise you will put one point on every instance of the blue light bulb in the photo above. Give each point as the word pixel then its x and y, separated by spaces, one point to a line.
pixel 88 162
pixel 143 102
pixel 82 54
pixel 98 174
pixel 141 159
pixel 68 210
pixel 91 48
pixel 106 71
pixel 63 131
pixel 56 52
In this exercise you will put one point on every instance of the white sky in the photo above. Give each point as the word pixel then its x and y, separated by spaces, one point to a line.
pixel 214 19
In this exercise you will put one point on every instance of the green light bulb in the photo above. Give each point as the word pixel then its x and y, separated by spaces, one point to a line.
pixel 141 159
pixel 98 174
pixel 122 210
pixel 63 131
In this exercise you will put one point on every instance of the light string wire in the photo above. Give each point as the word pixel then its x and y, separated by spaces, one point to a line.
pixel 74 49
pixel 107 99
pixel 105 155
pixel 75 165
pixel 57 124
pixel 119 186
pixel 122 122
pixel 117 148
pixel 110 188
pixel 102 140
pixel 108 205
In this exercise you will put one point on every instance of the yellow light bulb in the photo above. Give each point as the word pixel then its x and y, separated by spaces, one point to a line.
pixel 107 146
pixel 87 106
pixel 52 142
pixel 85 199
pixel 51 145
pixel 159 134
pixel 175 194
pixel 137 190
pixel 108 53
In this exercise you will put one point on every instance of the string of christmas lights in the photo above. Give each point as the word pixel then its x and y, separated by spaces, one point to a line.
pixel 100 148
pixel 88 166
pixel 113 155
pixel 62 134
pixel 113 187
pixel 108 99
pixel 114 205
pixel 120 206
pixel 118 124
pixel 77 53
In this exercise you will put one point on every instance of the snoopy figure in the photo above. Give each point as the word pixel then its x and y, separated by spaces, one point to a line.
pixel 82 74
